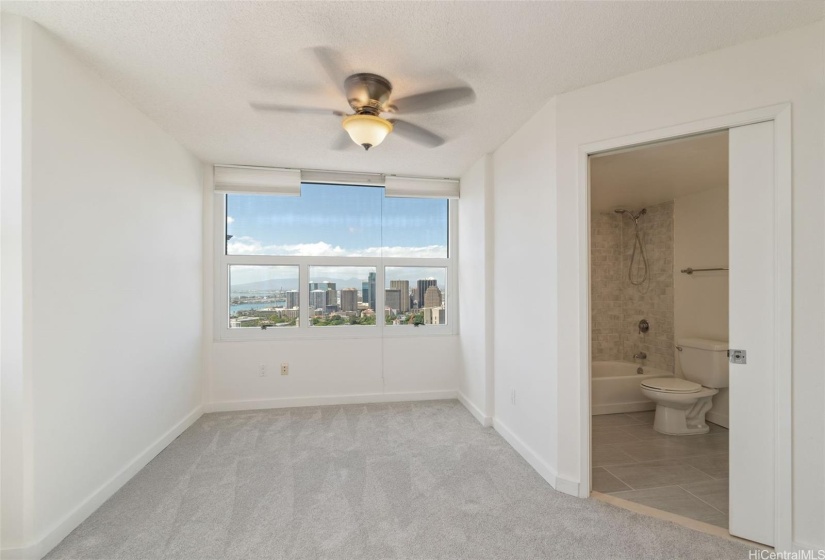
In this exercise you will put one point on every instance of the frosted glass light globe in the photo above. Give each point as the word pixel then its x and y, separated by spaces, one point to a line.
pixel 367 130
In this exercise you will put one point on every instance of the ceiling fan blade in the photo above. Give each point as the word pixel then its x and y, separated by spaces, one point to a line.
pixel 294 109
pixel 342 142
pixel 333 64
pixel 435 100
pixel 416 133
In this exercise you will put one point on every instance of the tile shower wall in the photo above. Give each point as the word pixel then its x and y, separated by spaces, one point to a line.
pixel 617 305
pixel 606 286
pixel 654 299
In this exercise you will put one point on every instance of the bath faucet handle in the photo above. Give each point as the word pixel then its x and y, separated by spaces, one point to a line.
pixel 640 356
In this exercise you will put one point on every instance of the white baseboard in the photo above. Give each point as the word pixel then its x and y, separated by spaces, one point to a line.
pixel 69 523
pixel 545 470
pixel 292 402
pixel 568 486
pixel 719 419
pixel 484 420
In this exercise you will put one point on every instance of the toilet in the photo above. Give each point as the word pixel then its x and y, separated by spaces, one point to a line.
pixel 681 404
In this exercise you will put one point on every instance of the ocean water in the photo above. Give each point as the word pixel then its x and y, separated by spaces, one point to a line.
pixel 234 308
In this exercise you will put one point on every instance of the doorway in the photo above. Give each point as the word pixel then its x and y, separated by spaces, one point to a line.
pixel 658 291
pixel 760 223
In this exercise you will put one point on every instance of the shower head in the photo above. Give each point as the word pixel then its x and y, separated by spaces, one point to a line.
pixel 635 216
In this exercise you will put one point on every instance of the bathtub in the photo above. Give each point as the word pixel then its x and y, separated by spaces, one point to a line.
pixel 615 387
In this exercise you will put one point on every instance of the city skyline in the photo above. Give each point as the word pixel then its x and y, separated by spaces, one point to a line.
pixel 329 305
pixel 273 277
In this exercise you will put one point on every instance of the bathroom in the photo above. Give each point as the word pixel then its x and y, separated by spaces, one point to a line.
pixel 659 313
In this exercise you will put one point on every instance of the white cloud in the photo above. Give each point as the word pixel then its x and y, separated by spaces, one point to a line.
pixel 251 246
pixel 229 219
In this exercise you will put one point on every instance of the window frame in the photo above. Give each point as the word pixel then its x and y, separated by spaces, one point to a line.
pixel 221 301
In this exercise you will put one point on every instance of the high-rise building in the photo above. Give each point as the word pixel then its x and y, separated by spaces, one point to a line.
pixel 365 292
pixel 402 286
pixel 371 281
pixel 435 316
pixel 349 299
pixel 293 299
pixel 321 285
pixel 432 297
pixel 421 290
pixel 318 299
pixel 393 299
pixel 332 299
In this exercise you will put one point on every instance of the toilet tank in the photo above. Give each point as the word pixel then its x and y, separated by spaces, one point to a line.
pixel 704 361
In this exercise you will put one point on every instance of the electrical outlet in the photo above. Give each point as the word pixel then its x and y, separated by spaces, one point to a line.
pixel 285 368
pixel 262 371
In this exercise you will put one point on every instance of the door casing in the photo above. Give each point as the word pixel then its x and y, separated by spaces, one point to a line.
pixel 783 275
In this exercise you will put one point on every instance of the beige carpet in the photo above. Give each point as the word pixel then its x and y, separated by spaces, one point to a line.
pixel 403 480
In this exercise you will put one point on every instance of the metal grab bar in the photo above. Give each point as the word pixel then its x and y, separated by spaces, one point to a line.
pixel 689 270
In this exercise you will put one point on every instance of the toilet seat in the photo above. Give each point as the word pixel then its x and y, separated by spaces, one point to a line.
pixel 671 385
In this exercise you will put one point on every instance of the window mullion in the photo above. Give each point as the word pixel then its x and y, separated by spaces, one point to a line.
pixel 379 295
pixel 303 295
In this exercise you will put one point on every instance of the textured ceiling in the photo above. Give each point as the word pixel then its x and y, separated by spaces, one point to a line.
pixel 657 173
pixel 193 67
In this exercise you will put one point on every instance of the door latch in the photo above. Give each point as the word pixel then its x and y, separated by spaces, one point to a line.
pixel 738 356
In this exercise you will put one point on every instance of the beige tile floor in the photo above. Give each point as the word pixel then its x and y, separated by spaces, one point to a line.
pixel 685 475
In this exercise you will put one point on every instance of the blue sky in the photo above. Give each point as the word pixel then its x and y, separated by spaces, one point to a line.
pixel 337 221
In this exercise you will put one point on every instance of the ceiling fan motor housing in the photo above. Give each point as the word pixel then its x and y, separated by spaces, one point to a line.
pixel 368 93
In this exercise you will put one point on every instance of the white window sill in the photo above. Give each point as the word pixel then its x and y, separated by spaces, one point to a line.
pixel 333 333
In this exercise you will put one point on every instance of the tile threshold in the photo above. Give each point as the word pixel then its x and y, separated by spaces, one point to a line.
pixel 699 526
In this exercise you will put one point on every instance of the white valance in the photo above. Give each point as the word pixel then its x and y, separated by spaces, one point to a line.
pixel 417 187
pixel 239 179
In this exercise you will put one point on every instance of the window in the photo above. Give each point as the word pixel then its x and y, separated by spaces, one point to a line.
pixel 263 296
pixel 415 296
pixel 337 258
pixel 330 305
pixel 326 220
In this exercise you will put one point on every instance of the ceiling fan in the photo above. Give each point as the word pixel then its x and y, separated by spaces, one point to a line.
pixel 369 96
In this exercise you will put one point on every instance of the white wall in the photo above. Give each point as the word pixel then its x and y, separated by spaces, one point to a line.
pixel 334 370
pixel 700 301
pixel 475 266
pixel 524 301
pixel 114 245
pixel 785 67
